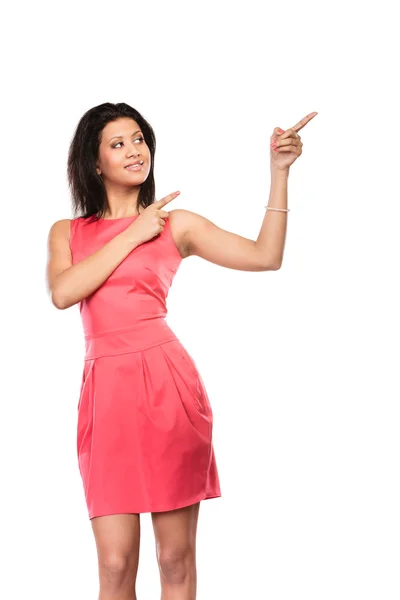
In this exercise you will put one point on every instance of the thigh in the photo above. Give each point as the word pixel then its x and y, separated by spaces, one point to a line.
pixel 176 529
pixel 117 540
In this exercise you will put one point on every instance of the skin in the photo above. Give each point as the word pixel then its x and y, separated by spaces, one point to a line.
pixel 118 540
pixel 122 186
pixel 122 142
pixel 175 531
pixel 118 536
pixel 194 234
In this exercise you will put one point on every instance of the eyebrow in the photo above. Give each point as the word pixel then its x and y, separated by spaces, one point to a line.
pixel 121 136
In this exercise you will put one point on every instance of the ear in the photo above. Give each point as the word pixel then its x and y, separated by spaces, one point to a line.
pixel 98 171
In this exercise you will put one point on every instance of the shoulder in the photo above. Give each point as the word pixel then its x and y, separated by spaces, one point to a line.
pixel 177 216
pixel 63 231
pixel 61 227
pixel 58 238
pixel 183 216
pixel 185 220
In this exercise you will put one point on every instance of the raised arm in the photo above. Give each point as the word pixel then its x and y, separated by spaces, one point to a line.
pixel 221 247
pixel 207 240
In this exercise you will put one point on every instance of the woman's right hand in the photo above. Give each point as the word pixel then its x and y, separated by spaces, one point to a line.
pixel 151 221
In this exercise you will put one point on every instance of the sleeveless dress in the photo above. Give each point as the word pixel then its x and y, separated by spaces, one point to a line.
pixel 144 425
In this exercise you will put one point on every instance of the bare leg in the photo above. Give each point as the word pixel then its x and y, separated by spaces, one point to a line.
pixel 117 541
pixel 175 534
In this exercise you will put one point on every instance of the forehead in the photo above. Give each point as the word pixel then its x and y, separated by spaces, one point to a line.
pixel 121 127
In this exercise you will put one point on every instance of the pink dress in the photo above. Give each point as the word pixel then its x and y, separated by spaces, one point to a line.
pixel 144 426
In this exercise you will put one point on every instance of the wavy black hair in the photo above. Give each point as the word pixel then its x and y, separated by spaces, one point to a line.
pixel 88 193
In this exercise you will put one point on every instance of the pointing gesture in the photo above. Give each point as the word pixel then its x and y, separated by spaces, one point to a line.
pixel 152 219
pixel 286 146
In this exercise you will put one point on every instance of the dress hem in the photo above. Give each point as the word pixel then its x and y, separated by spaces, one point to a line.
pixel 180 505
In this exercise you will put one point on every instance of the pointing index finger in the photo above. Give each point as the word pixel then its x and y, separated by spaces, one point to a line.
pixel 167 199
pixel 304 121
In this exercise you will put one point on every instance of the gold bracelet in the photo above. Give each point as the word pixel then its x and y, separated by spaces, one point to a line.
pixel 280 209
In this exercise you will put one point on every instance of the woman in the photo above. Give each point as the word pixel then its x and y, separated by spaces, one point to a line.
pixel 144 435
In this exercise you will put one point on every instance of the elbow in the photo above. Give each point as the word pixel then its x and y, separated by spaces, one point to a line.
pixel 268 261
pixel 275 263
pixel 58 304
pixel 272 267
pixel 58 300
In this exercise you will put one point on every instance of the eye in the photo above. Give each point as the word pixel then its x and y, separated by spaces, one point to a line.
pixel 140 138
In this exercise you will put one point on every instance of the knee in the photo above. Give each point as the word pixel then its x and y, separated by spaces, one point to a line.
pixel 176 564
pixel 115 566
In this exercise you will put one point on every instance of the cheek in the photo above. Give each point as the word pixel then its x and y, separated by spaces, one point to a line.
pixel 111 160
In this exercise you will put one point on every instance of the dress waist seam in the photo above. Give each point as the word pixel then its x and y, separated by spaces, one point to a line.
pixel 138 325
pixel 129 351
pixel 145 334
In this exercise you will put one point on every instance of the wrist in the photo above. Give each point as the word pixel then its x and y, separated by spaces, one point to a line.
pixel 279 173
pixel 130 238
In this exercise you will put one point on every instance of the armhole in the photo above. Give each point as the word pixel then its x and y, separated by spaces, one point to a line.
pixel 72 229
pixel 172 241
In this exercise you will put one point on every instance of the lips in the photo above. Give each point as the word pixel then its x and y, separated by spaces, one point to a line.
pixel 138 162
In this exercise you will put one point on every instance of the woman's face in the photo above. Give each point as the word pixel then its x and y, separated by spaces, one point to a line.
pixel 122 143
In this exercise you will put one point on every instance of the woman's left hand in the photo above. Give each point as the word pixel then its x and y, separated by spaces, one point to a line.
pixel 286 146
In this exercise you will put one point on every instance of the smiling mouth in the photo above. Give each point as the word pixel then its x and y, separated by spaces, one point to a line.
pixel 135 167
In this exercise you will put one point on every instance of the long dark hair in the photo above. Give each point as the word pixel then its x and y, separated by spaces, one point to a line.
pixel 88 193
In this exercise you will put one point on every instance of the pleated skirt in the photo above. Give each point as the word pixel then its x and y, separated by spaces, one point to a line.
pixel 144 430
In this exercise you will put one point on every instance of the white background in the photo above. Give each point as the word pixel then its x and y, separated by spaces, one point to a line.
pixel 301 364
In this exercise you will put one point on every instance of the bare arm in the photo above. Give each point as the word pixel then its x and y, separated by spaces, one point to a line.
pixel 68 284
pixel 205 239
pixel 272 236
pixel 224 248
pixel 266 253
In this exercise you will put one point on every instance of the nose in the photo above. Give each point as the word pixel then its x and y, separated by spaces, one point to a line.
pixel 133 150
